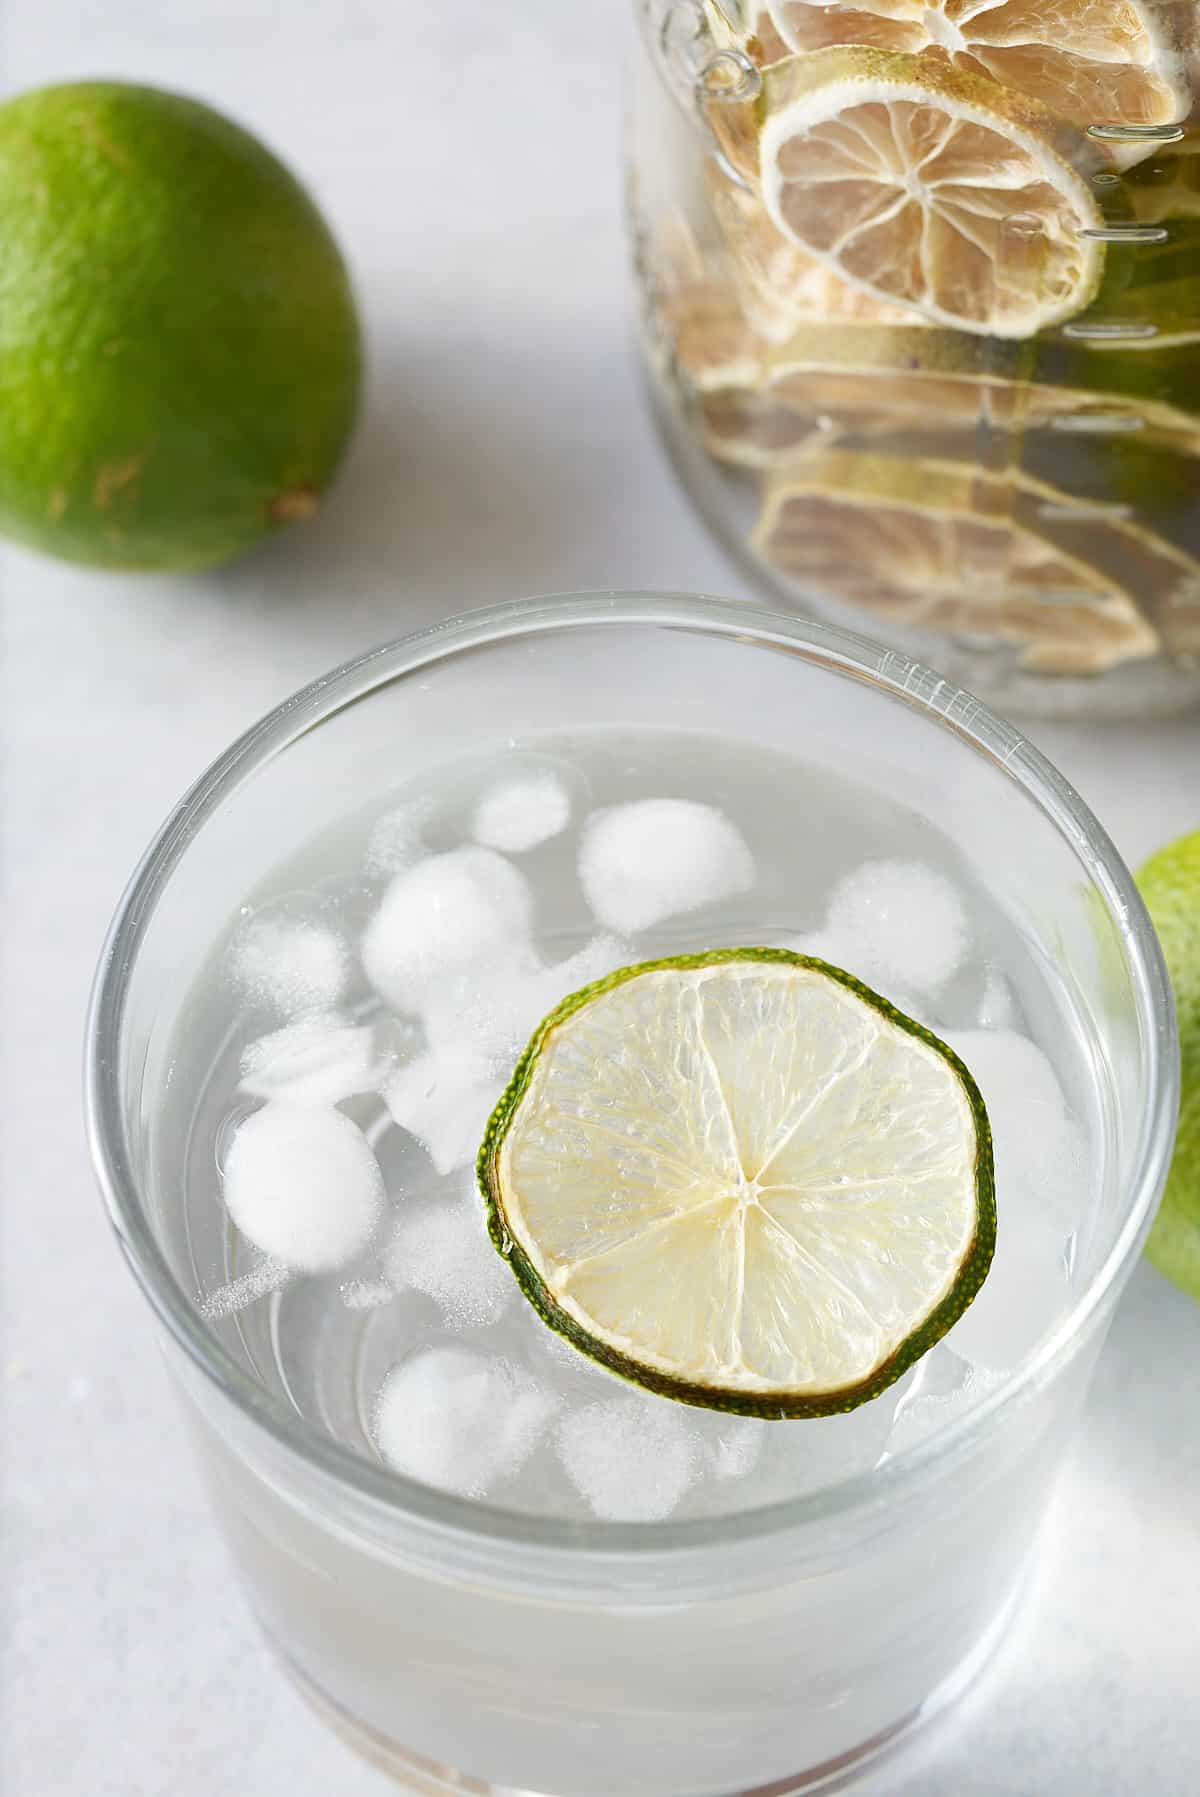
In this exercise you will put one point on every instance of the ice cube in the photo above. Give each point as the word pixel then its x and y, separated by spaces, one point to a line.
pixel 460 1420
pixel 442 916
pixel 732 1471
pixel 947 1386
pixel 996 1010
pixel 396 1040
pixel 735 1445
pixel 1021 1298
pixel 517 814
pixel 320 1059
pixel 492 1011
pixel 809 1453
pixel 1041 1190
pixel 290 963
pixel 899 924
pixel 301 1183
pixel 398 839
pixel 655 858
pixel 367 1294
pixel 267 1276
pixel 824 946
pixel 1040 1152
pixel 442 1248
pixel 631 1459
pixel 444 1098
pixel 482 1011
pixel 554 1358
pixel 602 955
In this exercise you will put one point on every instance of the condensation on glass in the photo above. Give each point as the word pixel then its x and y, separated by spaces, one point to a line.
pixel 920 295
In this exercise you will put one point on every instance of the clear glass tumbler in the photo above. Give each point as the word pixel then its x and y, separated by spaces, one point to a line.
pixel 920 294
pixel 471 1649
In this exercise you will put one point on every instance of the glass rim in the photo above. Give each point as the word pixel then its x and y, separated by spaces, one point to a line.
pixel 946 707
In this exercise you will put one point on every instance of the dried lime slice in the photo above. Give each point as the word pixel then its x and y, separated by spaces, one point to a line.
pixel 1111 59
pixel 829 380
pixel 943 545
pixel 779 285
pixel 923 185
pixel 743 1180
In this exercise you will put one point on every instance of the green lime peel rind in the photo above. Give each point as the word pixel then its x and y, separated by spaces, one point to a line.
pixel 1170 885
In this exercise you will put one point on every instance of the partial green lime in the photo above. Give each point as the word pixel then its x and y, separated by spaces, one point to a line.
pixel 1170 883
pixel 180 357
pixel 742 1180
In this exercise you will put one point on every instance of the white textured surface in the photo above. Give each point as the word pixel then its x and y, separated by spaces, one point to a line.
pixel 468 155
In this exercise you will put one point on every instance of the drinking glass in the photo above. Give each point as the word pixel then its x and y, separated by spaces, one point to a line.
pixel 790 1647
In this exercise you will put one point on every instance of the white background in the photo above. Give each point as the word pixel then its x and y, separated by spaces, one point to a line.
pixel 467 153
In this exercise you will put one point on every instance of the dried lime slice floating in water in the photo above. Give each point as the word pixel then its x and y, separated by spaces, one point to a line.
pixel 742 1180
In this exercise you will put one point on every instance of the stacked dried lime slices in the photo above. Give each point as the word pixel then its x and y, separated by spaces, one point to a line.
pixel 743 1180
pixel 906 260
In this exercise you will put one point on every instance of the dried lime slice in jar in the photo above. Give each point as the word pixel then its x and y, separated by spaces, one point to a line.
pixel 936 544
pixel 924 185
pixel 1110 59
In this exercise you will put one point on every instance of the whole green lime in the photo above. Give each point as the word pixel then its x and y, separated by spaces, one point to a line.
pixel 179 349
pixel 1170 884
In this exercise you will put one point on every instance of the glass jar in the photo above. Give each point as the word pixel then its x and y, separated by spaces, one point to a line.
pixel 921 312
